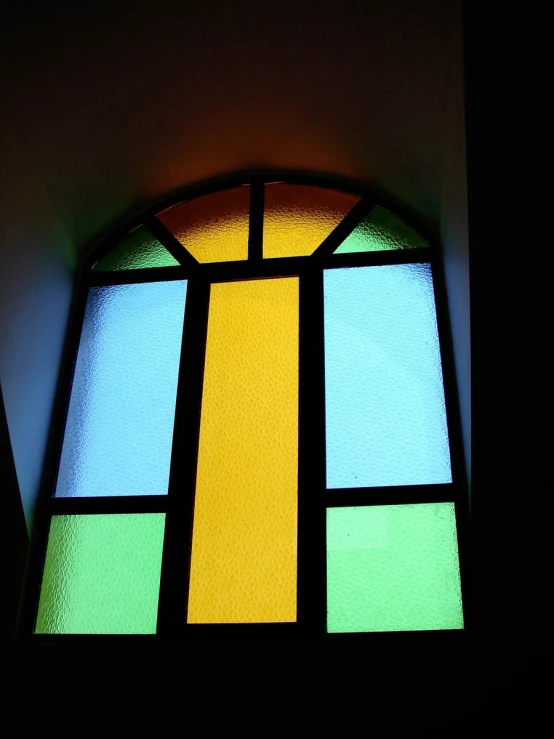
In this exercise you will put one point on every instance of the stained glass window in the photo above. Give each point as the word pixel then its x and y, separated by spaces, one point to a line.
pixel 381 231
pixel 245 359
pixel 297 219
pixel 393 568
pixel 384 394
pixel 212 228
pixel 119 427
pixel 102 574
pixel 243 563
pixel 138 250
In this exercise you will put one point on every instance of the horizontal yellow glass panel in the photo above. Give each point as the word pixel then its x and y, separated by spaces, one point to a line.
pixel 244 563
pixel 213 228
pixel 297 218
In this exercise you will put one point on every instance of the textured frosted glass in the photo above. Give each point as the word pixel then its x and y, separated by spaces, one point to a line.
pixel 384 396
pixel 393 568
pixel 381 231
pixel 298 218
pixel 102 575
pixel 138 250
pixel 120 422
pixel 213 228
pixel 243 566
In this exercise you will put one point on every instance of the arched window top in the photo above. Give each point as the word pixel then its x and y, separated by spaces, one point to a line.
pixel 262 220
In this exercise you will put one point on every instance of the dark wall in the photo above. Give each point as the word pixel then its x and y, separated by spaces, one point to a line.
pixel 13 539
pixel 36 284
pixel 508 72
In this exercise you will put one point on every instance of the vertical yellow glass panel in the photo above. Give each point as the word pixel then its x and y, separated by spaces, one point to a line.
pixel 297 218
pixel 213 228
pixel 243 565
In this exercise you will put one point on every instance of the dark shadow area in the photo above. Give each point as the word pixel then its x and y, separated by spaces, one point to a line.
pixel 14 543
pixel 508 62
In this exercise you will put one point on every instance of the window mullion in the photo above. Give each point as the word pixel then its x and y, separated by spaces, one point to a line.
pixel 311 473
pixel 182 477
pixel 390 495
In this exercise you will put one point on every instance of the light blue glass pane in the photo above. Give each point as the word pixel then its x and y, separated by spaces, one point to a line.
pixel 119 427
pixel 384 396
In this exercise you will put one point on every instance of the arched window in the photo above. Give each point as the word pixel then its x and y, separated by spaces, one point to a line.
pixel 257 438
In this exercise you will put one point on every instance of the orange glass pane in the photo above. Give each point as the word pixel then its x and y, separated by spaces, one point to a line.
pixel 243 565
pixel 297 218
pixel 213 228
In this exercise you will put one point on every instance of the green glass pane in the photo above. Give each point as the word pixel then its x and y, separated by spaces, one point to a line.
pixel 381 231
pixel 138 250
pixel 102 574
pixel 393 568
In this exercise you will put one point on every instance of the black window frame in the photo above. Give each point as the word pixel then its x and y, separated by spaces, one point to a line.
pixel 313 497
